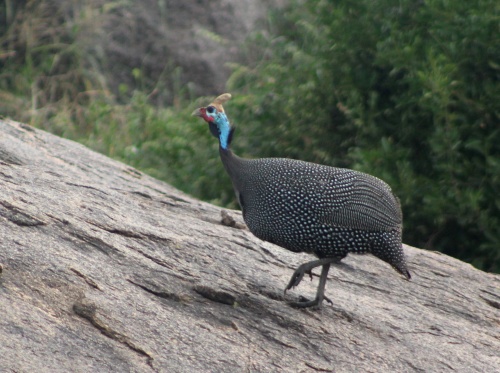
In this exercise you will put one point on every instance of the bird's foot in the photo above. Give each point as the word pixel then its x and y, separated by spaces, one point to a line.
pixel 296 278
pixel 306 303
pixel 307 268
pixel 298 275
pixel 310 273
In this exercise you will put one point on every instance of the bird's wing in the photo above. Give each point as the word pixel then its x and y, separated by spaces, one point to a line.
pixel 356 200
pixel 334 196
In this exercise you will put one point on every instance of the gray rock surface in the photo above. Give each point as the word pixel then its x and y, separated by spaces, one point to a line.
pixel 104 269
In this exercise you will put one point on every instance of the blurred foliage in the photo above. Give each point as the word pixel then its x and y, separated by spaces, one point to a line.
pixel 44 68
pixel 405 90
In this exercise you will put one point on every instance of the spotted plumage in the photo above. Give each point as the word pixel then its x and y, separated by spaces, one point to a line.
pixel 307 207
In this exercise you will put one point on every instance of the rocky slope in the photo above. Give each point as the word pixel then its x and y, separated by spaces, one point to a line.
pixel 104 269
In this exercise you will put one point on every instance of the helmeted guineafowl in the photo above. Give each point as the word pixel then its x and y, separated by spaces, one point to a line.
pixel 307 207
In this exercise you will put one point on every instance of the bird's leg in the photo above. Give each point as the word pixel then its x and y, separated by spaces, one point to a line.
pixel 299 273
pixel 320 293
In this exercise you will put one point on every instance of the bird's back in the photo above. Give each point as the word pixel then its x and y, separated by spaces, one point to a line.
pixel 324 210
pixel 343 198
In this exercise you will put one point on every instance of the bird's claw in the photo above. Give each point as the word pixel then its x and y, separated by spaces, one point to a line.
pixel 295 280
pixel 297 277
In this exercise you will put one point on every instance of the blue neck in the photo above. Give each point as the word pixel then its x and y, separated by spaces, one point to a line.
pixel 224 130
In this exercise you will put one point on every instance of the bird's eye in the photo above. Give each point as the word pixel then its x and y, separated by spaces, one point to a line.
pixel 210 110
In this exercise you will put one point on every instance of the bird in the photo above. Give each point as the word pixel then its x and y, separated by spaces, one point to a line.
pixel 307 207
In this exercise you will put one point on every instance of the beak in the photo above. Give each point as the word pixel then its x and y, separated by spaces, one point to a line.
pixel 197 112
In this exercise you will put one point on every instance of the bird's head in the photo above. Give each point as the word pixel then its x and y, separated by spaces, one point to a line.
pixel 217 120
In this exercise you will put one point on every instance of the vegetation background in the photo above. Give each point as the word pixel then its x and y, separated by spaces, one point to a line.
pixel 408 91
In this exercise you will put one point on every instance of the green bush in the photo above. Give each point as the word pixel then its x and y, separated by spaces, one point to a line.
pixel 407 91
